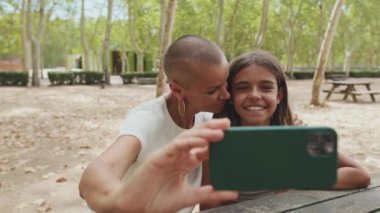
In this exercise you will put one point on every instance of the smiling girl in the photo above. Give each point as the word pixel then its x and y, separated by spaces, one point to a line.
pixel 259 97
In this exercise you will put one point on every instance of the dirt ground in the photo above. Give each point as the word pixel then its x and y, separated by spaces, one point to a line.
pixel 48 135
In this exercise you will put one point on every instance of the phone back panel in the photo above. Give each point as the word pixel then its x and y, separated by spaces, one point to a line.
pixel 274 157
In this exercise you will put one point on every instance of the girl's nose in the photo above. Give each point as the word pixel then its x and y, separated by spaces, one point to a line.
pixel 255 93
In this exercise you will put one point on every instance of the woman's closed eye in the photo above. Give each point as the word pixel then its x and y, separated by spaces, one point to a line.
pixel 211 92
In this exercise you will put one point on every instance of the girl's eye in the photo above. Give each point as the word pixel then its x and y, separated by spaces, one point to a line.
pixel 267 87
pixel 241 88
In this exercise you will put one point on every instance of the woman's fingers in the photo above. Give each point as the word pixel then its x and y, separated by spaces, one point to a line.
pixel 221 123
pixel 208 195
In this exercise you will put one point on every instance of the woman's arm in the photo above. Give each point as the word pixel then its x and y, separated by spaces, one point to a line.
pixel 350 175
pixel 160 183
pixel 103 176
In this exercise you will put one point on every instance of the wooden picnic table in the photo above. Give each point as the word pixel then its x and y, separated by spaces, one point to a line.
pixel 350 89
pixel 339 201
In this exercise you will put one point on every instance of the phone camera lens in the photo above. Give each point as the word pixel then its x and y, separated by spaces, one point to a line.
pixel 320 144
pixel 326 137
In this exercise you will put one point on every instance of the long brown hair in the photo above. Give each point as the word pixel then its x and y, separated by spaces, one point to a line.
pixel 282 115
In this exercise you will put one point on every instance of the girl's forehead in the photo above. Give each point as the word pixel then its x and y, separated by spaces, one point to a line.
pixel 254 72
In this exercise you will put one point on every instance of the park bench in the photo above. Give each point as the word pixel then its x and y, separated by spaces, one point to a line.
pixel 335 91
pixel 372 93
pixel 335 76
pixel 349 88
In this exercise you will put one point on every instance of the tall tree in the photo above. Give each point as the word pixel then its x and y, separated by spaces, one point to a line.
pixel 85 58
pixel 325 51
pixel 166 28
pixel 143 28
pixel 35 39
pixel 293 15
pixel 27 49
pixel 260 36
pixel 106 44
pixel 132 34
pixel 219 23
pixel 231 23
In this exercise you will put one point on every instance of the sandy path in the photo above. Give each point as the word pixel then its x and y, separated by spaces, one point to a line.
pixel 48 135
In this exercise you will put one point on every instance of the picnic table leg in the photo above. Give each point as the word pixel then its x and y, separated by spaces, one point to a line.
pixel 348 92
pixel 372 95
pixel 330 92
pixel 354 97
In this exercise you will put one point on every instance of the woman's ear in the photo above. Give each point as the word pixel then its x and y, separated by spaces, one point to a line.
pixel 175 88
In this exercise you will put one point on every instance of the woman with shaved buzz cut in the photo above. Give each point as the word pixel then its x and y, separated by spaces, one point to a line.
pixel 197 70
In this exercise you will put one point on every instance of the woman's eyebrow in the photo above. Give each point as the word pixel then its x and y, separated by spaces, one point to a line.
pixel 215 87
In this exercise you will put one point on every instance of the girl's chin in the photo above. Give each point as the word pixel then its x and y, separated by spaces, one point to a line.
pixel 255 123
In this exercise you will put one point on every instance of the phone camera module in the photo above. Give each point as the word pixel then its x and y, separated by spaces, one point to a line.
pixel 320 145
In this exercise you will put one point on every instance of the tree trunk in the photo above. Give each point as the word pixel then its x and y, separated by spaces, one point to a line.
pixel 259 42
pixel 325 51
pixel 219 24
pixel 106 50
pixel 369 59
pixel 132 30
pixel 289 61
pixel 35 62
pixel 85 58
pixel 347 62
pixel 321 25
pixel 42 62
pixel 35 43
pixel 348 55
pixel 36 39
pixel 124 61
pixel 167 28
pixel 231 24
pixel 162 20
pixel 291 48
pixel 27 53
pixel 98 60
pixel 140 61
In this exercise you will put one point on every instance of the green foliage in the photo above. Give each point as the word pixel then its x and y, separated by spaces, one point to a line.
pixel 365 74
pixel 336 74
pixel 147 75
pixel 60 78
pixel 358 31
pixel 14 78
pixel 85 77
pixel 133 77
pixel 303 75
pixel 128 77
pixel 10 41
pixel 61 39
pixel 93 77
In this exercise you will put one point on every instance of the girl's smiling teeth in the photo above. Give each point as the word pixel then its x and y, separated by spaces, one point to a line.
pixel 254 108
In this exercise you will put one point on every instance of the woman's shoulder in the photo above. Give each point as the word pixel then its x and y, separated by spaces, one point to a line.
pixel 150 107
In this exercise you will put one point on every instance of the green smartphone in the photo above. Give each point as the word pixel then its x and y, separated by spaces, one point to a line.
pixel 274 157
